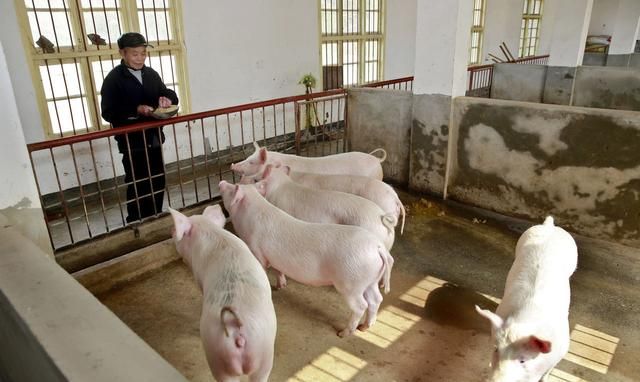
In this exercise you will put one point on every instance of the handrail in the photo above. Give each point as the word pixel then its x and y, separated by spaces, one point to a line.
pixel 517 60
pixel 57 142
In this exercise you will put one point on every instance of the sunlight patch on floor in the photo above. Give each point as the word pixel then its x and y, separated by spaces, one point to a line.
pixel 418 294
pixel 591 349
pixel 561 376
pixel 334 365
pixel 391 324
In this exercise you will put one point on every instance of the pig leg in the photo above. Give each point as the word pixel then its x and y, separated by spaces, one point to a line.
pixel 358 305
pixel 262 374
pixel 282 280
pixel 373 297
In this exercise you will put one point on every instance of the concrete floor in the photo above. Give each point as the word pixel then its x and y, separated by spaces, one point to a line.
pixel 448 259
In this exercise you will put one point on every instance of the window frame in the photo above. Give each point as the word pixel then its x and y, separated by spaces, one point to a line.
pixel 360 38
pixel 530 16
pixel 477 28
pixel 84 54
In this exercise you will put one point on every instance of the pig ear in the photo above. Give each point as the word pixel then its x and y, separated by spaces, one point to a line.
pixel 267 171
pixel 256 146
pixel 262 155
pixel 540 345
pixel 495 320
pixel 181 224
pixel 214 213
pixel 238 195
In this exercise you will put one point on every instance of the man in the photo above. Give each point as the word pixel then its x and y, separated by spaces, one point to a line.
pixel 130 94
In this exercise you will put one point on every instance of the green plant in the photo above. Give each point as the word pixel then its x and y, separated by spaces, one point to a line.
pixel 309 82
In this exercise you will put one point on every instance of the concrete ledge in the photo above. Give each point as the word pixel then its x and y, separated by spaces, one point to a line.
pixel 102 277
pixel 80 339
pixel 119 243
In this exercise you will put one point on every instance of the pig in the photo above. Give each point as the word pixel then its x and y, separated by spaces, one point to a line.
pixel 531 325
pixel 372 189
pixel 238 321
pixel 320 206
pixel 351 163
pixel 350 258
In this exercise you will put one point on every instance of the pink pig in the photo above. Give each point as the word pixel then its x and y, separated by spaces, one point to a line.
pixel 322 206
pixel 238 322
pixel 372 189
pixel 350 258
pixel 351 163
pixel 531 325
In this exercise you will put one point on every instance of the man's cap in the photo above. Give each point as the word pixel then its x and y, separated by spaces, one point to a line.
pixel 132 40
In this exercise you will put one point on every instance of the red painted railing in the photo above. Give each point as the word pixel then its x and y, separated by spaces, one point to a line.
pixel 80 179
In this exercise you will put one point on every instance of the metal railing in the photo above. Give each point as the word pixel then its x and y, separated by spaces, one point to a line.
pixel 481 76
pixel 83 191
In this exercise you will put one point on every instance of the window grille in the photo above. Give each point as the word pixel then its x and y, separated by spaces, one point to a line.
pixel 72 45
pixel 530 29
pixel 477 32
pixel 352 39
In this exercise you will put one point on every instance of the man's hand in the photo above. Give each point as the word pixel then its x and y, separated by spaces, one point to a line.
pixel 164 102
pixel 145 110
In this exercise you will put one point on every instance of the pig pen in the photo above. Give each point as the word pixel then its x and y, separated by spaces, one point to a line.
pixel 450 258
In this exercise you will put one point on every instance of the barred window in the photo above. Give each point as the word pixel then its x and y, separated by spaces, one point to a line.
pixel 477 32
pixel 72 46
pixel 351 42
pixel 530 29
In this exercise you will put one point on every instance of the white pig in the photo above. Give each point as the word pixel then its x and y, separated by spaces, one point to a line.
pixel 238 322
pixel 372 189
pixel 351 163
pixel 531 325
pixel 350 258
pixel 321 206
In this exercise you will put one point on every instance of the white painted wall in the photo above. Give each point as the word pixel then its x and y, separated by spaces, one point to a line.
pixel 502 23
pixel 566 25
pixel 442 46
pixel 400 39
pixel 625 33
pixel 239 52
pixel 603 17
pixel 19 200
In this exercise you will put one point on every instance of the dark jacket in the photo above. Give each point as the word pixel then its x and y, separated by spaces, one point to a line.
pixel 122 93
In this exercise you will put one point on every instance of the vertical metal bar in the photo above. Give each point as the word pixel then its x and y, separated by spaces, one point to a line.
pixel 253 127
pixel 133 180
pixel 115 177
pixel 82 197
pixel 193 165
pixel 35 176
pixel 298 134
pixel 275 127
pixel 62 198
pixel 95 171
pixel 233 175
pixel 144 19
pixel 66 88
pixel 215 124
pixel 53 97
pixel 205 149
pixel 53 24
pixel 264 127
pixel 242 134
pixel 150 176
pixel 175 145
pixel 164 170
pixel 284 124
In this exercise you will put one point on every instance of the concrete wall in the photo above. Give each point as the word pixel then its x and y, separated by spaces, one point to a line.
pixel 429 140
pixel 55 330
pixel 594 59
pixel 593 86
pixel 558 85
pixel 529 160
pixel 19 200
pixel 382 118
pixel 518 82
pixel 607 87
